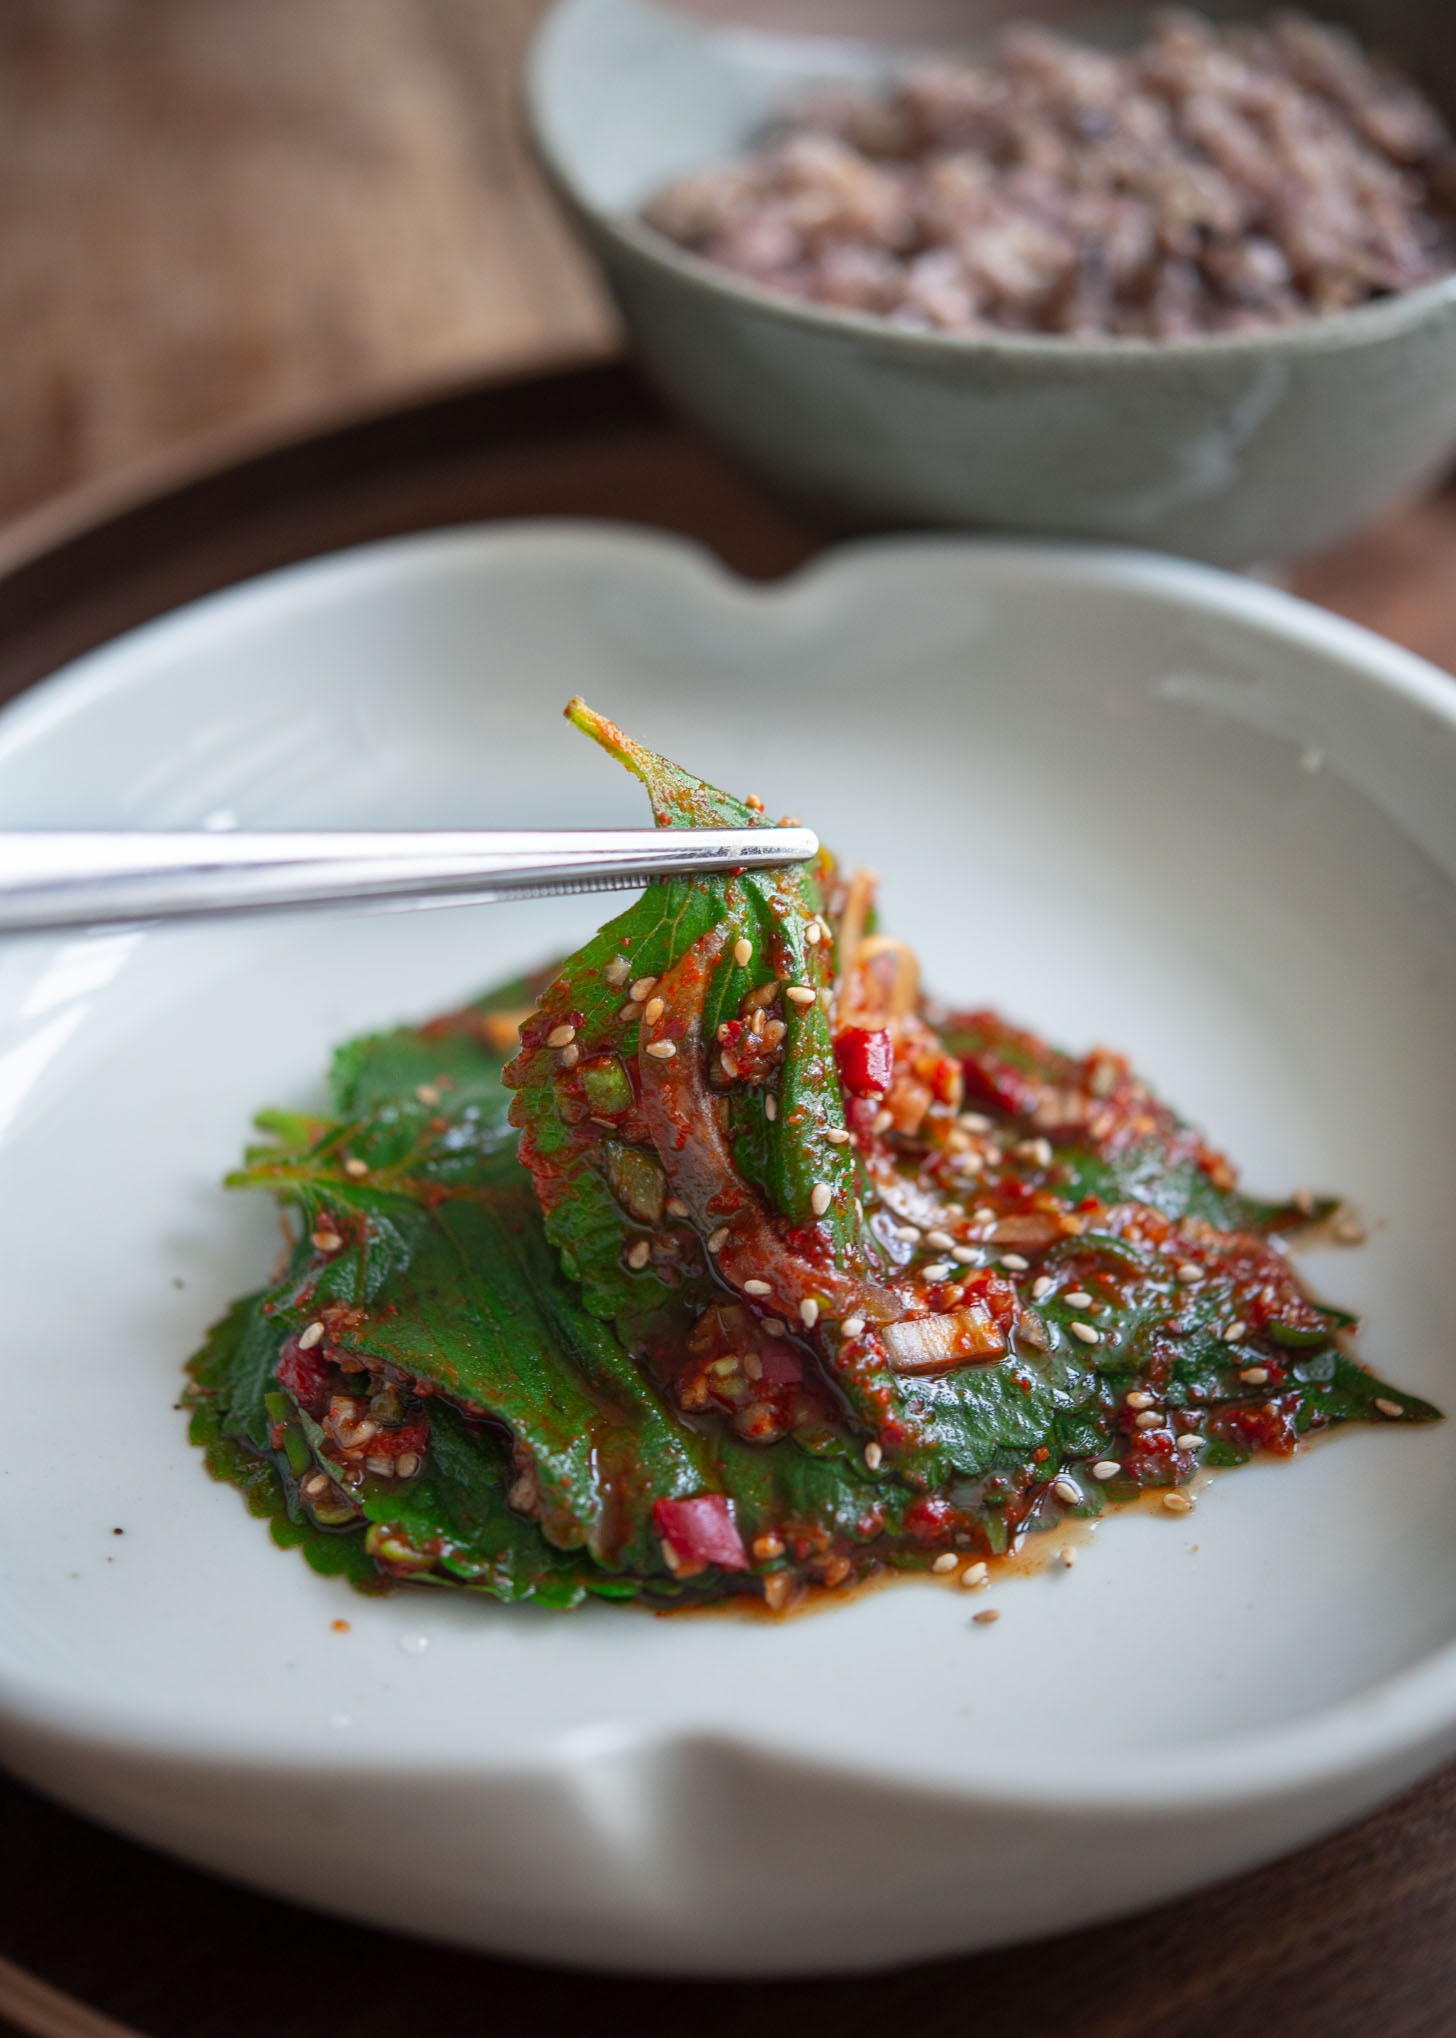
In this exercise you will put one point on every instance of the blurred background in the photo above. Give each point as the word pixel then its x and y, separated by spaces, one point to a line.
pixel 223 222
pixel 227 218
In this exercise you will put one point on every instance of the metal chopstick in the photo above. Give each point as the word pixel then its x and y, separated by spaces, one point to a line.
pixel 51 880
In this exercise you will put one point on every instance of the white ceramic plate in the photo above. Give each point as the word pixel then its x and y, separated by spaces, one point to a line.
pixel 1128 800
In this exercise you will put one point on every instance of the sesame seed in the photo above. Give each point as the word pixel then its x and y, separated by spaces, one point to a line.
pixel 427 1093
pixel 1106 1468
pixel 775 1326
pixel 1150 1419
pixel 940 1271
pixel 1254 1375
pixel 743 951
pixel 1189 1272
pixel 355 1167
pixel 967 1255
pixel 908 1232
pixel 837 1135
pixel 873 1456
pixel 987 1617
pixel 1189 1441
pixel 853 1326
pixel 826 998
pixel 630 1012
pixel 770 1107
pixel 1079 1298
pixel 570 1056
pixel 756 1288
pixel 1016 1263
pixel 973 1121
pixel 1177 1503
pixel 653 1010
pixel 1391 1408
pixel 617 970
pixel 883 1121
pixel 1347 1231
pixel 718 1239
pixel 642 990
pixel 946 1561
pixel 820 1197
pixel 976 1576
pixel 327 1241
pixel 1037 1151
pixel 1067 1491
pixel 984 1214
pixel 561 1036
pixel 808 1312
pixel 639 1253
pixel 1234 1331
pixel 407 1464
pixel 1087 1334
pixel 1041 1287
pixel 941 1240
pixel 661 1050
pixel 1303 1201
pixel 777 1590
pixel 670 1556
pixel 1137 1399
pixel 1066 1556
pixel 811 933
pixel 307 1339
pixel 800 994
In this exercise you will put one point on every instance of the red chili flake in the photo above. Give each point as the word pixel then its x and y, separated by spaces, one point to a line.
pixel 866 1060
pixel 782 1365
pixel 1147 1453
pixel 990 1080
pixel 306 1375
pixel 701 1531
pixel 994 1292
pixel 929 1520
pixel 410 1437
pixel 1269 1427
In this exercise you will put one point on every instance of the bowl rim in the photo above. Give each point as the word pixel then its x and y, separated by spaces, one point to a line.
pixel 1363 325
pixel 1407 1717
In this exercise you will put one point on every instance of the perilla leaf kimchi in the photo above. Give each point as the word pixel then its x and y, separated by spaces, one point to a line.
pixel 721 1260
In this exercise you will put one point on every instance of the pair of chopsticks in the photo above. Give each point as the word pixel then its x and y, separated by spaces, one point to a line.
pixel 51 880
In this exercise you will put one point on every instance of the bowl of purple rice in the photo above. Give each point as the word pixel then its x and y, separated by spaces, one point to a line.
pixel 1177 279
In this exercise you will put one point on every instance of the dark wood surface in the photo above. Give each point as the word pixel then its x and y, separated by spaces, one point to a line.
pixel 1355 1938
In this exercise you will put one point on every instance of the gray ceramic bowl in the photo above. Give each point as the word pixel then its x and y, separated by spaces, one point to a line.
pixel 1232 449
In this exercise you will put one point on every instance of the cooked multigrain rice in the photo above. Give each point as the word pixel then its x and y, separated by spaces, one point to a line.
pixel 1215 179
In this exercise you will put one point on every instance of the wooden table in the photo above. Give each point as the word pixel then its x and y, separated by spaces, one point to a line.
pixel 1353 1938
pixel 220 217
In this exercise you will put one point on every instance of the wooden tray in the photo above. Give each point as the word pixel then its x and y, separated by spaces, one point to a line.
pixel 1356 1936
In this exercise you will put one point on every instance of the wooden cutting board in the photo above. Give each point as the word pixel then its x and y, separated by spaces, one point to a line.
pixel 1355 1938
